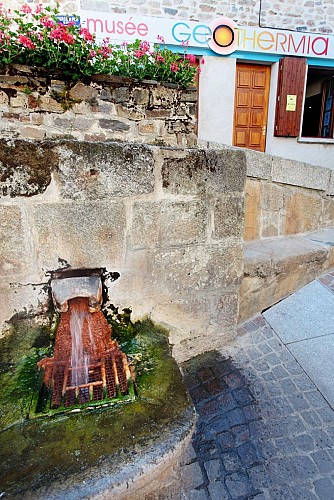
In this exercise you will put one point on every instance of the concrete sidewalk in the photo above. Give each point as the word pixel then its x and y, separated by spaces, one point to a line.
pixel 265 404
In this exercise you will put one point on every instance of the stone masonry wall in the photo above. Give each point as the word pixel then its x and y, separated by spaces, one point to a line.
pixel 303 15
pixel 285 197
pixel 170 221
pixel 106 108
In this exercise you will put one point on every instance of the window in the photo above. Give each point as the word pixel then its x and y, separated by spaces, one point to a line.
pixel 318 114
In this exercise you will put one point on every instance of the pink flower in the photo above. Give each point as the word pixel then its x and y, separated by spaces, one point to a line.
pixel 86 34
pixel 26 9
pixel 144 46
pixel 160 59
pixel 39 8
pixel 139 53
pixel 202 60
pixel 185 44
pixel 199 71
pixel 92 54
pixel 191 58
pixel 68 38
pixel 26 42
pixel 105 51
pixel 47 22
pixel 161 39
pixel 174 68
pixel 57 33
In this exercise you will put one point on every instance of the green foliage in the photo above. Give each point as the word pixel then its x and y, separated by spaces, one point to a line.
pixel 37 38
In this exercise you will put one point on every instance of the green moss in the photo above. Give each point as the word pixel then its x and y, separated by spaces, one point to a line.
pixel 35 452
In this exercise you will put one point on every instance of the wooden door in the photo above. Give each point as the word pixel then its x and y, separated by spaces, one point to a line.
pixel 251 106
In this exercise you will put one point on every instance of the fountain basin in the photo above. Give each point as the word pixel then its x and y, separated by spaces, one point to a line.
pixel 116 450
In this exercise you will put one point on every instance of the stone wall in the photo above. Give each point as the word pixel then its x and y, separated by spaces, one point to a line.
pixel 36 106
pixel 170 221
pixel 285 197
pixel 305 15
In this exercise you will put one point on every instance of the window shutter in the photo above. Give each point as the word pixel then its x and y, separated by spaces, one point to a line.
pixel 290 93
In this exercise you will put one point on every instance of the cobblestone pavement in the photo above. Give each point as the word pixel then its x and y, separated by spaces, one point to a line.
pixel 264 431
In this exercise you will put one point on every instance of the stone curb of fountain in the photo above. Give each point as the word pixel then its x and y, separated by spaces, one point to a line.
pixel 264 431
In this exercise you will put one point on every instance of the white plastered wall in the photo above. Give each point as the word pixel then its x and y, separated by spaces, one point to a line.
pixel 216 100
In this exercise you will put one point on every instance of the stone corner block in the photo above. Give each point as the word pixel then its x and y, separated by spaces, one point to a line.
pixel 205 171
pixel 300 174
pixel 259 165
pixel 100 170
pixel 85 234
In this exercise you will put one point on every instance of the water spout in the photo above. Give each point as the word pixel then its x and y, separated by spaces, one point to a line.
pixel 87 364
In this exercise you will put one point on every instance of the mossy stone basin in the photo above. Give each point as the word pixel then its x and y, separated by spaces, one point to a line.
pixel 89 452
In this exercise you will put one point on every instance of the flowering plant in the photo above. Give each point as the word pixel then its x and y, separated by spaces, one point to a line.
pixel 38 38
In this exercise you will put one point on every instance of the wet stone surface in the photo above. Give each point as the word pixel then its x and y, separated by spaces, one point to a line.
pixel 264 431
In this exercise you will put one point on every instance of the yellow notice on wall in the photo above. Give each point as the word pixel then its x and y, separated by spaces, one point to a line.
pixel 291 101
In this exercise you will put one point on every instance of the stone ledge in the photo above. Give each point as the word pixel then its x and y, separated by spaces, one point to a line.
pixel 276 267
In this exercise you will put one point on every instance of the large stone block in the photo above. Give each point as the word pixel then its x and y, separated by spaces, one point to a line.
pixel 276 267
pixel 258 164
pixel 97 171
pixel 270 224
pixel 25 167
pixel 228 217
pixel 202 172
pixel 271 197
pixel 300 174
pixel 162 96
pixel 193 268
pixel 84 234
pixel 252 210
pixel 82 92
pixel 303 212
pixel 15 248
pixel 165 223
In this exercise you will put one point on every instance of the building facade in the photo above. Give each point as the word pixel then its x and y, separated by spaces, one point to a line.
pixel 268 79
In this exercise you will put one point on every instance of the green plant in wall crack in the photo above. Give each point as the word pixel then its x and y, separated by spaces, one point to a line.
pixel 36 37
pixel 64 99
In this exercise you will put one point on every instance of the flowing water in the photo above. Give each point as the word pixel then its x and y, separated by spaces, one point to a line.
pixel 79 359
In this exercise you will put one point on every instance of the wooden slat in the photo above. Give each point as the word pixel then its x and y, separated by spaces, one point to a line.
pixel 291 81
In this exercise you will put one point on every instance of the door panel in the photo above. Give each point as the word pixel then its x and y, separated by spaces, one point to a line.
pixel 251 106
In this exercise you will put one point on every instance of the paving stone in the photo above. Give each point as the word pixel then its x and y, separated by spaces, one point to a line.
pixel 231 461
pixel 195 495
pixel 311 418
pixel 243 396
pixel 226 440
pixel 305 314
pixel 304 466
pixel 214 470
pixel 264 431
pixel 304 442
pixel 298 402
pixel 323 461
pixel 321 438
pixel 302 493
pixel 238 485
pixel 218 491
pixel 260 477
pixel 249 455
pixel 324 488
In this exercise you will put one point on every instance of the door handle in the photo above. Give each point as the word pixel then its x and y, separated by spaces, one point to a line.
pixel 264 129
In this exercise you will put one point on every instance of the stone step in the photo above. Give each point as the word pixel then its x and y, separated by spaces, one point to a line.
pixel 276 267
